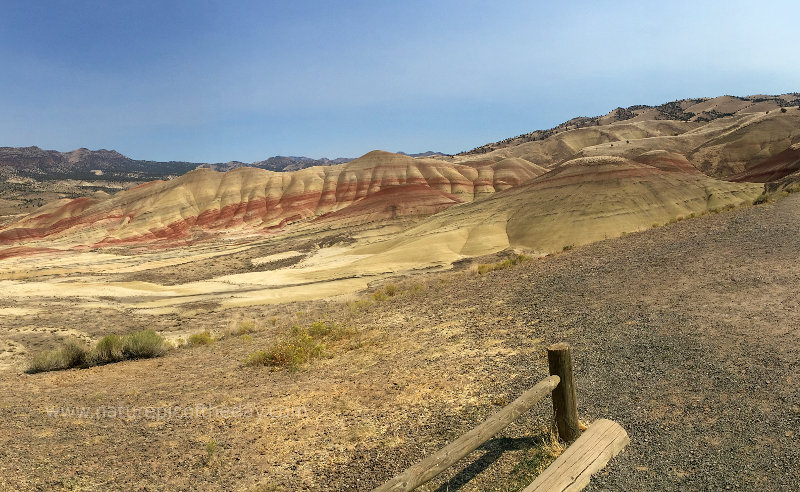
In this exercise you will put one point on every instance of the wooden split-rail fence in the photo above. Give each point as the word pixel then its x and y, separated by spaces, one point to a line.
pixel 588 453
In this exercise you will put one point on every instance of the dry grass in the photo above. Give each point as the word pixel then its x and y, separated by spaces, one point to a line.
pixel 245 327
pixel 110 348
pixel 483 269
pixel 142 345
pixel 71 354
pixel 762 198
pixel 292 353
pixel 301 346
pixel 544 449
pixel 203 338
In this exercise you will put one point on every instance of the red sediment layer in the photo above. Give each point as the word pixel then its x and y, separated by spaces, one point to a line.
pixel 562 178
pixel 669 163
pixel 396 201
pixel 776 167
pixel 24 251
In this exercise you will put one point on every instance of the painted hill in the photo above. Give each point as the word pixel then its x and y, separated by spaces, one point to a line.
pixel 772 169
pixel 720 148
pixel 249 200
pixel 698 110
pixel 582 201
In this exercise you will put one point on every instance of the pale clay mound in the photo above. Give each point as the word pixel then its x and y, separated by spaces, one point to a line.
pixel 583 201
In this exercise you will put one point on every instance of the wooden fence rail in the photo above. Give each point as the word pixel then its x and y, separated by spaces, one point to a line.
pixel 587 455
pixel 436 463
pixel 570 472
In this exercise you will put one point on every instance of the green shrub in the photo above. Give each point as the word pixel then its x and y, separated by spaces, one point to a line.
pixel 318 329
pixel 71 354
pixel 388 290
pixel 203 338
pixel 142 345
pixel 258 358
pixel 762 198
pixel 359 305
pixel 51 360
pixel 110 348
pixel 322 329
pixel 483 269
pixel 212 448
pixel 74 353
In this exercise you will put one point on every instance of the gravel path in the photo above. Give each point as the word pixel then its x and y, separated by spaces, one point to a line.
pixel 688 337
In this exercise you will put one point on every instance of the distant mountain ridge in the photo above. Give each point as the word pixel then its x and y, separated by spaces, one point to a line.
pixel 110 165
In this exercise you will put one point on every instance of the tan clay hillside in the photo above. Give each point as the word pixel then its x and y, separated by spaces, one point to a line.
pixel 749 133
pixel 582 201
pixel 250 200
pixel 700 111
pixel 772 169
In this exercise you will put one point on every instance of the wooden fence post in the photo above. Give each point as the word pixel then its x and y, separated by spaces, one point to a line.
pixel 565 404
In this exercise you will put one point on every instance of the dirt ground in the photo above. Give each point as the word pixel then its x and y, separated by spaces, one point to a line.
pixel 685 334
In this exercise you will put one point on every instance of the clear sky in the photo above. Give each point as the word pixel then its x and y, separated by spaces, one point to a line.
pixel 213 81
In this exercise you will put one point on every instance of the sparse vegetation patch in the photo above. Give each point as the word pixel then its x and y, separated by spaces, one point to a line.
pixel 111 348
pixel 483 269
pixel 203 338
pixel 762 198
pixel 245 327
pixel 301 346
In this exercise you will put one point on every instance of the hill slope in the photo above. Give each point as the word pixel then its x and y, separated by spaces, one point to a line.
pixel 582 201
pixel 740 134
pixel 698 110
pixel 252 200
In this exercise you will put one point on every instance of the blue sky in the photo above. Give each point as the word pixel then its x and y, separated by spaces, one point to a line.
pixel 213 81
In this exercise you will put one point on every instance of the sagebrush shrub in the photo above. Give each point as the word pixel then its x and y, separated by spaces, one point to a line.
pixel 143 344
